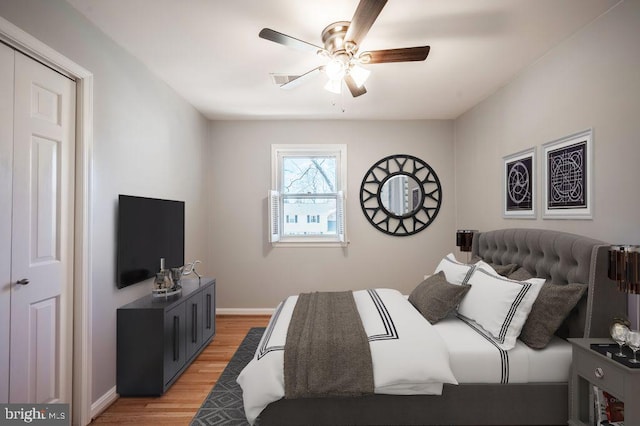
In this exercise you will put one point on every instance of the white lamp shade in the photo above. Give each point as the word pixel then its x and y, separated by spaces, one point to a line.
pixel 334 86
pixel 334 69
pixel 359 74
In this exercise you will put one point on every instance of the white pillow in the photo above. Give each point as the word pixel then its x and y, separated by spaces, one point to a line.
pixel 455 272
pixel 484 265
pixel 499 305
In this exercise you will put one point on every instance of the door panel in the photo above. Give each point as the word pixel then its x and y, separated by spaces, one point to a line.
pixel 194 323
pixel 209 309
pixel 174 341
pixel 42 234
pixel 44 335
pixel 45 180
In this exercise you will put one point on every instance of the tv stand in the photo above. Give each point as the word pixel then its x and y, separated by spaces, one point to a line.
pixel 159 337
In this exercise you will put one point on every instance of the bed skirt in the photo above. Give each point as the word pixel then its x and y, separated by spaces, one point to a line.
pixel 471 404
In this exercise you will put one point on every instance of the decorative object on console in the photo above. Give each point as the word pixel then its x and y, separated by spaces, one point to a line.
pixel 633 342
pixel 624 267
pixel 619 333
pixel 464 240
pixel 190 268
pixel 167 282
pixel 567 172
pixel 519 186
pixel 389 192
pixel 176 275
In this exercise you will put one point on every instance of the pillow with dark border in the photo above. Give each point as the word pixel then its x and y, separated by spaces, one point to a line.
pixel 434 297
pixel 553 305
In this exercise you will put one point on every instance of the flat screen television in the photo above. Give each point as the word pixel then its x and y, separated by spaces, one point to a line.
pixel 148 229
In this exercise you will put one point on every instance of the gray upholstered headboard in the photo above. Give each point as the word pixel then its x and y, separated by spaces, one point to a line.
pixel 561 258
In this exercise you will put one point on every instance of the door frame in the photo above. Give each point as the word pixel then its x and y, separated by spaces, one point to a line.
pixel 82 360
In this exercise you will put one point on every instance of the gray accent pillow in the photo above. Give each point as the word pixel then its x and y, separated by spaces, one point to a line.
pixel 553 305
pixel 434 297
pixel 503 270
pixel 520 274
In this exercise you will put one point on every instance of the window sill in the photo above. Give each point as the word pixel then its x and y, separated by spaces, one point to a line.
pixel 309 244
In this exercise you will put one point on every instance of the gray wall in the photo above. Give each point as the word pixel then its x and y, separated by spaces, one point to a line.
pixel 142 131
pixel 252 274
pixel 590 81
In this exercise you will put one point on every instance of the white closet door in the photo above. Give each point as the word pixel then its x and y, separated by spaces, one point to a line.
pixel 6 176
pixel 42 234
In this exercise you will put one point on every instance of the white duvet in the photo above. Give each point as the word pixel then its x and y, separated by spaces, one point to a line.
pixel 409 356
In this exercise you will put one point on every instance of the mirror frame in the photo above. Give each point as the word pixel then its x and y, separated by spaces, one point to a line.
pixel 387 221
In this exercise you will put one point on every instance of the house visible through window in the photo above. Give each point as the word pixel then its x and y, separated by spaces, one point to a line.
pixel 292 219
pixel 307 184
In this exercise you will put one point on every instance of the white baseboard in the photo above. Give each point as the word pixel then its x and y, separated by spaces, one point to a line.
pixel 244 311
pixel 103 402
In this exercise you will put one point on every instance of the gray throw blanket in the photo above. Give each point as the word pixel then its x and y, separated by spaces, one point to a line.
pixel 327 350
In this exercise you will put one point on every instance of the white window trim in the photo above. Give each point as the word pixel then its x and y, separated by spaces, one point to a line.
pixel 275 200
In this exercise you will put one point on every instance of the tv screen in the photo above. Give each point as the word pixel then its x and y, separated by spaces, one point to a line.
pixel 148 229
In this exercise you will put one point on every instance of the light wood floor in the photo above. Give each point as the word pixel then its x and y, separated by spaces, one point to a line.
pixel 181 402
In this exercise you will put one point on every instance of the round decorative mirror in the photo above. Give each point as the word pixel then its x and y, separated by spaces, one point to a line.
pixel 400 195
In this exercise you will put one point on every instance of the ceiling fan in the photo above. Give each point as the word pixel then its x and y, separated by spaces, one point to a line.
pixel 341 42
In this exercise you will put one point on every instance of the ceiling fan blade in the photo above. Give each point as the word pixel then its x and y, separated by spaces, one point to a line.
pixel 277 37
pixel 353 87
pixel 364 17
pixel 295 81
pixel 406 54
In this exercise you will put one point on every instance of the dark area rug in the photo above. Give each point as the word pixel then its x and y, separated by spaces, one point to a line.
pixel 224 406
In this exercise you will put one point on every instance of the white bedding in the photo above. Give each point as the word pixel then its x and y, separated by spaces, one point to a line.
pixel 474 359
pixel 408 355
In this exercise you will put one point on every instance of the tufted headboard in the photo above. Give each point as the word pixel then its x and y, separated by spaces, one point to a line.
pixel 561 258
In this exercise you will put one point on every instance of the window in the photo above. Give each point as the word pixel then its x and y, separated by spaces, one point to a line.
pixel 306 204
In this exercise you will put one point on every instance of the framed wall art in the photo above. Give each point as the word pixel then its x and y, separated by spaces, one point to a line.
pixel 567 177
pixel 519 187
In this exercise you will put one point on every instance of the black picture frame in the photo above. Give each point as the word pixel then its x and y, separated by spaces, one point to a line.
pixel 567 172
pixel 519 185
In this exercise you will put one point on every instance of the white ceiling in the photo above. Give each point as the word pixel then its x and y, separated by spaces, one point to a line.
pixel 209 51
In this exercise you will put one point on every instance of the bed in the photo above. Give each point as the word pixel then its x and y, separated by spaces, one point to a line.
pixel 562 259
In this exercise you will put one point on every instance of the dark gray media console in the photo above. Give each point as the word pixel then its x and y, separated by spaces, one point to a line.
pixel 159 337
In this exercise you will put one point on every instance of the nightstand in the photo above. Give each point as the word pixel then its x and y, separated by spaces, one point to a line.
pixel 590 367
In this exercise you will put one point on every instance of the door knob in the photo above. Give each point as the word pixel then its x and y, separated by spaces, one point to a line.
pixel 23 281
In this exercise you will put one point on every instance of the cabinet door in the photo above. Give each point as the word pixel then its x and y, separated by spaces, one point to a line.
pixel 194 323
pixel 209 300
pixel 175 355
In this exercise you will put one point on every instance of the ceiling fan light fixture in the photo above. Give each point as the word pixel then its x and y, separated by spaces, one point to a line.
pixel 341 41
pixel 359 74
pixel 350 47
pixel 335 69
pixel 364 58
pixel 334 86
pixel 333 35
